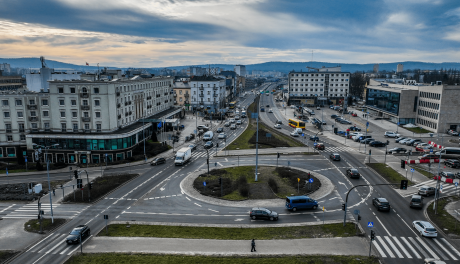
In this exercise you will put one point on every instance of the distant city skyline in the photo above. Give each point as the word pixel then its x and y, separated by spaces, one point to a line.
pixel 166 33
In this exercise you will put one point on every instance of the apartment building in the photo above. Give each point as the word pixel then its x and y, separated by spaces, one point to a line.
pixel 208 92
pixel 182 93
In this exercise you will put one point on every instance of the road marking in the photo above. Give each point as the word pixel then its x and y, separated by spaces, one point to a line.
pixel 383 225
pixel 411 248
pixel 83 242
pixel 197 204
pixel 418 247
pixel 42 241
pixel 58 244
pixel 56 238
pixel 406 224
pixel 380 239
pixel 447 251
pixel 7 208
pixel 379 249
pixel 427 248
pixel 450 246
pixel 213 210
pixel 395 249
pixel 64 251
pixel 402 248
pixel 188 198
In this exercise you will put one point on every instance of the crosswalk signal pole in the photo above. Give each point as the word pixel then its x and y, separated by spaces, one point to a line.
pixel 370 242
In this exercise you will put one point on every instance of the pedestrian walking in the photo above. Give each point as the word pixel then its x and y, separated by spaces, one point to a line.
pixel 253 246
pixel 54 192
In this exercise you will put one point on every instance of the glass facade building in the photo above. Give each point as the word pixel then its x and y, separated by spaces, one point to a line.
pixel 383 100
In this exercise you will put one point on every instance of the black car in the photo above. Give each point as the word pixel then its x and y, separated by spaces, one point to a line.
pixel 268 105
pixel 220 129
pixel 192 146
pixel 334 156
pixel 208 145
pixel 74 236
pixel 377 144
pixel 353 173
pixel 334 116
pixel 382 204
pixel 397 150
pixel 353 128
pixel 263 213
pixel 452 163
pixel 314 138
pixel 157 161
pixel 279 122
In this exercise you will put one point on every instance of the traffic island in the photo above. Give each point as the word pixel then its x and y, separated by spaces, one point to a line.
pixel 19 192
pixel 140 258
pixel 238 183
pixel 48 225
pixel 444 219
pixel 388 173
pixel 100 187
pixel 6 255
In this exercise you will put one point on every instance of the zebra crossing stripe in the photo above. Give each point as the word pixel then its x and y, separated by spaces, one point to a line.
pixel 379 249
pixel 450 246
pixel 418 247
pixel 431 244
pixel 423 183
pixel 395 249
pixel 427 248
pixel 442 247
pixel 380 239
pixel 402 248
pixel 411 248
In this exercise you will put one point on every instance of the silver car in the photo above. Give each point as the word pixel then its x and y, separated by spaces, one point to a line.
pixel 426 190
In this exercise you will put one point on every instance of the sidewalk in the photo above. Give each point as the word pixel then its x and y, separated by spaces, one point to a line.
pixel 453 208
pixel 264 151
pixel 315 246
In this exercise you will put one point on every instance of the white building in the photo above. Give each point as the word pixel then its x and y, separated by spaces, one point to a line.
pixel 400 68
pixel 240 70
pixel 5 67
pixel 207 92
pixel 38 79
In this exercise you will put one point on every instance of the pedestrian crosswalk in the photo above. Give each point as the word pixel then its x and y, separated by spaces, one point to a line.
pixel 447 188
pixel 31 211
pixel 415 247
pixel 337 149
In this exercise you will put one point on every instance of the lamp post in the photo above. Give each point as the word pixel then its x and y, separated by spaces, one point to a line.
pixel 143 135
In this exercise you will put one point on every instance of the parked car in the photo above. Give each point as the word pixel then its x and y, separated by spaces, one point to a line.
pixel 425 228
pixel 428 156
pixel 157 161
pixel 377 144
pixel 397 150
pixel 354 115
pixel 452 163
pixel 353 173
pixel 446 174
pixel 351 134
pixel 335 156
pixel 356 136
pixel 203 127
pixel 314 138
pixel 220 129
pixel 397 140
pixel 411 142
pixel 319 146
pixel 391 134
pixel 344 121
pixel 433 261
pixel 79 232
pixel 382 204
pixel 263 213
pixel 222 136
pixel 422 144
pixel 424 149
pixel 452 132
pixel 366 140
pixel 208 145
pixel 353 128
pixel 403 142
pixel 192 147
pixel 334 116
pixel 294 134
pixel 426 190
pixel 341 133
pixel 277 126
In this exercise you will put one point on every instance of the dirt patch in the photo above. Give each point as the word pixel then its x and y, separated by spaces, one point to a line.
pixel 261 191
pixel 33 225
pixel 20 191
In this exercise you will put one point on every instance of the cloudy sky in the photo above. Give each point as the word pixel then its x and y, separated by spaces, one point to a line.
pixel 157 33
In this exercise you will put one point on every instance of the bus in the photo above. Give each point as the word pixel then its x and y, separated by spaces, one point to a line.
pixel 296 124
pixel 232 105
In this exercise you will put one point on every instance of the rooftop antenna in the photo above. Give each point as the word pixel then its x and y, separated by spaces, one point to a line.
pixel 312 55
pixel 42 60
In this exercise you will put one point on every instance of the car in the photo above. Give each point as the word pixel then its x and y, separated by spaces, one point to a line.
pixel 351 135
pixel 263 213
pixel 157 161
pixel 391 134
pixel 421 144
pixel 354 115
pixel 353 173
pixel 268 106
pixel 416 201
pixel 323 123
pixel 238 122
pixel 319 146
pixel 279 122
pixel 424 149
pixel 220 130
pixel 334 116
pixel 314 138
pixel 192 146
pixel 203 127
pixel 318 108
pixel 344 121
pixel 294 134
pixel 452 163
pixel 382 204
pixel 411 142
pixel 428 156
pixel 270 110
pixel 425 228
pixel 227 124
pixel 222 136
pixel 293 203
pixel 341 133
pixel 452 132
pixel 446 175
pixel 397 150
pixel 404 141
pixel 232 120
pixel 277 126
pixel 377 144
pixel 208 145
pixel 233 127
pixel 426 190
pixel 79 232
pixel 353 128
pixel 366 140
pixel 335 156
pixel 433 261
pixel 237 117
pixel 399 139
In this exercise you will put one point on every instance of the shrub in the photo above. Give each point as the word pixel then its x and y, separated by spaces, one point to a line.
pixel 242 180
pixel 244 190
pixel 273 184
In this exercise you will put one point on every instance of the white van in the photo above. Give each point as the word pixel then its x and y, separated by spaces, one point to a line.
pixel 298 130
pixel 208 136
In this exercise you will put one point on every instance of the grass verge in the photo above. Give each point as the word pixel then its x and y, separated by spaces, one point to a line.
pixel 6 254
pixel 388 173
pixel 156 258
pixel 424 172
pixel 446 222
pixel 33 225
pixel 262 233
pixel 416 130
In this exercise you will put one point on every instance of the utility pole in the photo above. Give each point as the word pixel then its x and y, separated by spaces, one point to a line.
pixel 436 194
pixel 257 138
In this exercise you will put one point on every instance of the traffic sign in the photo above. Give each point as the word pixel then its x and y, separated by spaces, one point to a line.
pixel 204 183
pixel 370 224
pixel 360 138
pixel 6 171
pixel 310 180
pixel 303 134
pixel 440 188
pixel 106 154
pixel 431 150
pixel 356 212
pixel 25 159
pixel 314 144
pixel 412 170
pixel 456 184
pixel 345 133
pixel 367 124
pixel 398 123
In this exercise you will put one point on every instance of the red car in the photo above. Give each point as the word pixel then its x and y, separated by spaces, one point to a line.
pixel 423 149
pixel 319 146
pixel 354 114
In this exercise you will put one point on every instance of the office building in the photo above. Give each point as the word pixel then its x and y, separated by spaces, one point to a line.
pixel 240 70
pixel 400 68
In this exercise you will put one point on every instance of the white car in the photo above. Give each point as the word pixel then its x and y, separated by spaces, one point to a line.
pixel 433 261
pixel 425 228
pixel 391 134
pixel 356 136
pixel 404 141
pixel 270 111
pixel 277 126
pixel 222 136
pixel 294 134
pixel 232 120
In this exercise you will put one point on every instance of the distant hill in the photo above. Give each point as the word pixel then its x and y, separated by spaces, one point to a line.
pixel 266 66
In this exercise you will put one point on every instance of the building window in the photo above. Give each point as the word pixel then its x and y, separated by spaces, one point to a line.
pixel 98 114
pixel 85 102
pixel 61 102
pixel 10 138
pixel 60 90
pixel 75 127
pixel 34 125
pixel 85 114
pixel 98 127
pixel 180 91
pixel 97 103
pixel 31 102
pixel 74 114
pixel 47 126
pixel 63 127
pixel 5 102
pixel 6 114
pixel 18 102
pixel 22 137
pixel 72 90
pixel 73 102
pixel 21 127
pixel 96 90
pixel 44 102
pixel 84 90
pixel 86 126
pixel 45 113
pixel 20 114
pixel 62 114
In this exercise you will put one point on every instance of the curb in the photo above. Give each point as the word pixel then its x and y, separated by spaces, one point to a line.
pixel 429 219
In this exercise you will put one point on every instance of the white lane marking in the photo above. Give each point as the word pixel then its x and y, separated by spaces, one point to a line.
pixel 213 210
pixel 427 247
pixel 450 246
pixel 42 241
pixel 383 226
pixel 379 249
pixel 71 252
pixel 380 239
pixel 58 244
pixel 395 249
pixel 447 251
pixel 407 224
pixel 402 247
pixel 197 204
pixel 64 251
pixel 8 208
pixel 411 248
pixel 56 238
pixel 188 198
pixel 418 247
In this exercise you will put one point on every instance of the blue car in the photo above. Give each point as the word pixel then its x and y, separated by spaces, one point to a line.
pixel 341 133
pixel 314 138
pixel 300 202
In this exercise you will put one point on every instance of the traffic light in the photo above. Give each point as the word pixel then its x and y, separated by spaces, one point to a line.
pixel 220 181
pixel 79 183
pixel 75 172
pixel 404 184
pixel 369 152
pixel 207 161
pixel 403 164
pixel 278 155
pixel 217 145
pixel 359 217
pixel 372 235
pixel 343 207
pixel 90 185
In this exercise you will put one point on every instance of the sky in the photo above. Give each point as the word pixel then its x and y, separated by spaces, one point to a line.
pixel 161 33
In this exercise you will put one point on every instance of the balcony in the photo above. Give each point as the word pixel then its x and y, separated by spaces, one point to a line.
pixel 174 94
pixel 85 107
pixel 84 95
pixel 158 95
pixel 215 95
pixel 126 114
pixel 186 95
pixel 119 116
pixel 201 95
pixel 201 102
pixel 32 107
pixel 118 105
pixel 129 102
pixel 149 97
pixel 118 93
pixel 130 113
pixel 175 102
pixel 87 130
pixel 201 88
pixel 8 131
pixel 33 119
pixel 215 88
pixel 187 102
pixel 126 103
pixel 86 119
pixel 21 130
